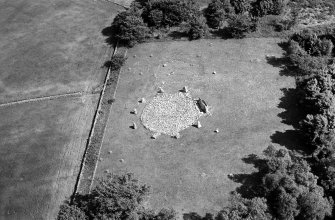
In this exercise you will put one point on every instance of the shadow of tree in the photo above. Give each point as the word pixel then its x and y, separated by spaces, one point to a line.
pixel 251 183
pixel 196 216
pixel 292 139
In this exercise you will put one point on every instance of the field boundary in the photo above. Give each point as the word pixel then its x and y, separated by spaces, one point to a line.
pixel 42 98
pixel 94 142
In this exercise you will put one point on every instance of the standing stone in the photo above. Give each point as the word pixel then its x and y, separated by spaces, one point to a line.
pixel 198 124
pixel 185 89
pixel 160 90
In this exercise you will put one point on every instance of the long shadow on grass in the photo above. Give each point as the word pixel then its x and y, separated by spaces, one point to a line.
pixel 108 33
pixel 292 139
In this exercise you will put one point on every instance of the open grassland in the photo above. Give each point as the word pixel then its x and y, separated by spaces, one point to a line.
pixel 190 173
pixel 51 47
pixel 41 148
pixel 47 48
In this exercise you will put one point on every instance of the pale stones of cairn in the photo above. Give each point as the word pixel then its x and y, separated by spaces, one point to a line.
pixel 121 160
pixel 134 126
pixel 141 73
pixel 216 131
pixel 142 100
pixel 170 113
pixel 164 65
pixel 151 55
pixel 184 89
pixel 160 90
pixel 134 112
pixel 214 72
pixel 197 124
pixel 110 152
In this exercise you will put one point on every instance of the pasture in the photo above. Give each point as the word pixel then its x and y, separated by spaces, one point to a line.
pixel 50 48
pixel 47 48
pixel 190 174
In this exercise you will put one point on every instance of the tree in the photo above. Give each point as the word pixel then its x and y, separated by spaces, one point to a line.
pixel 115 197
pixel 197 28
pixel 239 25
pixel 241 208
pixel 217 11
pixel 291 189
pixel 128 27
pixel 261 8
pixel 68 212
pixel 241 6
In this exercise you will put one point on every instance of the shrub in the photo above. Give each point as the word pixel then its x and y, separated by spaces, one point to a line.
pixel 128 27
pixel 169 13
pixel 68 212
pixel 261 8
pixel 241 6
pixel 217 11
pixel 241 208
pixel 115 197
pixel 291 189
pixel 155 18
pixel 198 28
pixel 239 25
pixel 116 62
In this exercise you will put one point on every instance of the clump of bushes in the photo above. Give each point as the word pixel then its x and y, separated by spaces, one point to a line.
pixel 128 28
pixel 217 11
pixel 197 28
pixel 118 197
pixel 261 8
pixel 241 6
pixel 116 62
pixel 239 25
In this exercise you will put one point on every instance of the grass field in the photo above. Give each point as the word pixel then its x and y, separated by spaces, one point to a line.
pixel 41 148
pixel 190 173
pixel 51 47
pixel 47 48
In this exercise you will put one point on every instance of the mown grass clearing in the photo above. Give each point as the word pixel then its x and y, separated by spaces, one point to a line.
pixel 190 173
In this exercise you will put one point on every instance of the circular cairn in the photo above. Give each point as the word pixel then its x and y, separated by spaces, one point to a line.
pixel 170 113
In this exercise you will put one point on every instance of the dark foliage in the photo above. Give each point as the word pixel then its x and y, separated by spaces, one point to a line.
pixel 241 6
pixel 261 8
pixel 116 62
pixel 68 212
pixel 239 25
pixel 169 13
pixel 240 208
pixel 197 28
pixel 217 11
pixel 129 28
pixel 291 189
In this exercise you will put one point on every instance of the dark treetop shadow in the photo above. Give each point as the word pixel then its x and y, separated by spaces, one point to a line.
pixel 292 139
pixel 250 182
